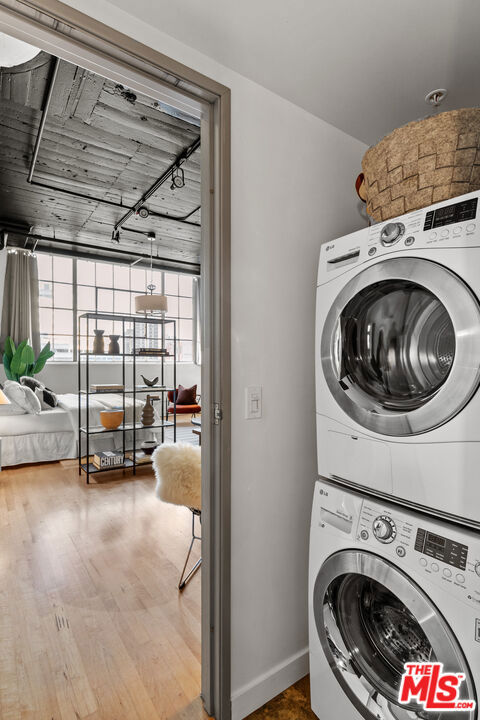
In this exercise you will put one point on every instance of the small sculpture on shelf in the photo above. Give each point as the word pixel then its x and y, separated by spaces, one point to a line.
pixel 114 347
pixel 148 413
pixel 98 342
pixel 149 383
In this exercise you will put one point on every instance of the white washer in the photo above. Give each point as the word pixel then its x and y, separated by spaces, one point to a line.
pixel 387 586
pixel 398 358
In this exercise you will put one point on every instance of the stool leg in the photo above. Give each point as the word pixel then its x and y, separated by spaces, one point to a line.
pixel 185 579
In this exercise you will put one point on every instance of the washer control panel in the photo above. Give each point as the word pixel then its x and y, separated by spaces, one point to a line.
pixel 441 548
pixel 448 557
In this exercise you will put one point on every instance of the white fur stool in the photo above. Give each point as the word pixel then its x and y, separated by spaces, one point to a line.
pixel 179 481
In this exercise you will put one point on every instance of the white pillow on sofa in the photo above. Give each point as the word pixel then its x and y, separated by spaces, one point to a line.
pixel 22 396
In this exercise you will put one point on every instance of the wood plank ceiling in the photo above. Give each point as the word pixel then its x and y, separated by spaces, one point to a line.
pixel 101 140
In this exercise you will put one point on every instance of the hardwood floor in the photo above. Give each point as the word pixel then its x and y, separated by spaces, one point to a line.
pixel 91 623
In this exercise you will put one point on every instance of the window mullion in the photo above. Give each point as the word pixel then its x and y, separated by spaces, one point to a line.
pixel 75 306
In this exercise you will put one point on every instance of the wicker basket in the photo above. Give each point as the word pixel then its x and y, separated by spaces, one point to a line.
pixel 424 162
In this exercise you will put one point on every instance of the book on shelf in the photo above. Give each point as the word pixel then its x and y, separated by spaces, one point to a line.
pixel 107 387
pixel 109 458
pixel 141 458
pixel 153 351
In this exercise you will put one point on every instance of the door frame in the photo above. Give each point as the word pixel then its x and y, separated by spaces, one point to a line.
pixel 80 39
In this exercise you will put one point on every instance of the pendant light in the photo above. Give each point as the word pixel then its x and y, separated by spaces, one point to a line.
pixel 15 52
pixel 150 303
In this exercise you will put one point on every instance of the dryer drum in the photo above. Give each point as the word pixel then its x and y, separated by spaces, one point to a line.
pixel 398 343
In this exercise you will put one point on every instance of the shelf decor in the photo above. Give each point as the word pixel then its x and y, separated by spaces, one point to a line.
pixel 98 342
pixel 111 419
pixel 424 162
pixel 137 334
pixel 114 347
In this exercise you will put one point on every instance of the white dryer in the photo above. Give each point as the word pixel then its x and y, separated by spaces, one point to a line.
pixel 398 358
pixel 388 586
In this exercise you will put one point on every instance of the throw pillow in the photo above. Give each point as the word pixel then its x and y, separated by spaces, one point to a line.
pixel 22 396
pixel 30 382
pixel 187 396
pixel 47 397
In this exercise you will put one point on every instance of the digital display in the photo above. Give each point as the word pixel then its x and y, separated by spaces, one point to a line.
pixel 458 212
pixel 441 548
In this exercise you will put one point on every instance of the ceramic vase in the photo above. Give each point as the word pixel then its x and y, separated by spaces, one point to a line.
pixel 114 347
pixel 148 414
pixel 98 342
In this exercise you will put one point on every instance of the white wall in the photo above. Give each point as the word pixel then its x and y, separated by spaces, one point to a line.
pixel 292 188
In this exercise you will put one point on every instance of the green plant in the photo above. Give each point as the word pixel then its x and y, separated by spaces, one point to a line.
pixel 21 361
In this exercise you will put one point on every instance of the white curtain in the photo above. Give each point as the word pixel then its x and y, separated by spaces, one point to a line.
pixel 20 316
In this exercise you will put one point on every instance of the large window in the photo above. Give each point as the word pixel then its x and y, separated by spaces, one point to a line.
pixel 70 286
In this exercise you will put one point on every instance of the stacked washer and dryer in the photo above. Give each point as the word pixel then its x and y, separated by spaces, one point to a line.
pixel 395 532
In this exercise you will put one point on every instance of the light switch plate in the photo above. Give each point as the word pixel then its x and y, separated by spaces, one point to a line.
pixel 253 402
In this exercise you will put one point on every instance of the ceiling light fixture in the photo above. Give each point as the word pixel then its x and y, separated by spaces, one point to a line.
pixel 143 212
pixel 15 52
pixel 150 303
pixel 178 178
pixel 116 236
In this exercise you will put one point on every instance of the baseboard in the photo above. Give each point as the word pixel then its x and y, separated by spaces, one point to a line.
pixel 256 693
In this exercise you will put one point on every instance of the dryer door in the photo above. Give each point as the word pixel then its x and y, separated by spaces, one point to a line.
pixel 371 619
pixel 401 346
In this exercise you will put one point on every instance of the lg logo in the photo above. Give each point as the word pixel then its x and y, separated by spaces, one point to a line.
pixel 329 247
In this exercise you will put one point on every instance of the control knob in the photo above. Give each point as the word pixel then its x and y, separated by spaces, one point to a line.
pixel 384 529
pixel 391 233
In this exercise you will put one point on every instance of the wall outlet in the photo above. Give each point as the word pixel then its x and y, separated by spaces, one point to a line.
pixel 253 402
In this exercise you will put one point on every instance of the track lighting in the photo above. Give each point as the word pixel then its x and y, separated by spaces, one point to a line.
pixel 178 178
pixel 143 212
pixel 115 236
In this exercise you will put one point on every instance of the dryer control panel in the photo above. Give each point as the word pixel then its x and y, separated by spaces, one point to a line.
pixel 457 212
pixel 450 224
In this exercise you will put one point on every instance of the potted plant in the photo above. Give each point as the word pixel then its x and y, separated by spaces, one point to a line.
pixel 20 361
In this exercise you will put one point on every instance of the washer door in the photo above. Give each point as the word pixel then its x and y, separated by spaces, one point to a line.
pixel 401 346
pixel 371 620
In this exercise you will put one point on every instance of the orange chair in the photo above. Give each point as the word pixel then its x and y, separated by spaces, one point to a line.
pixel 192 409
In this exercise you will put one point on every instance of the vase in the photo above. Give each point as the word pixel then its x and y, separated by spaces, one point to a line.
pixel 114 347
pixel 98 342
pixel 148 414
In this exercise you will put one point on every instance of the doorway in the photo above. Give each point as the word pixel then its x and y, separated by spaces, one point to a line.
pixel 66 33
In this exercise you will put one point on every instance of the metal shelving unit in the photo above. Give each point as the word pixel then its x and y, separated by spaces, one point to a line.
pixel 86 323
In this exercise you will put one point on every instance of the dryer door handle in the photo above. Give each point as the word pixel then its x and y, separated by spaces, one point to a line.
pixel 337 348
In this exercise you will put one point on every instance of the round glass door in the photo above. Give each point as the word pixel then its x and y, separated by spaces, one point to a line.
pixel 371 619
pixel 399 346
